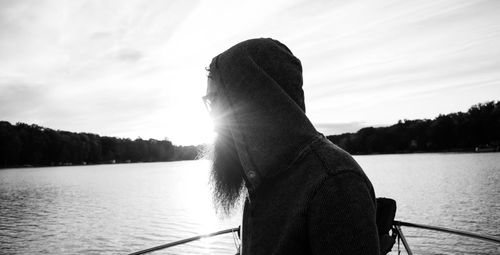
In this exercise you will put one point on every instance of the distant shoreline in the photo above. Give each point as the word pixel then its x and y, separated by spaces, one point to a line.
pixel 97 164
pixel 477 130
pixel 427 152
pixel 125 163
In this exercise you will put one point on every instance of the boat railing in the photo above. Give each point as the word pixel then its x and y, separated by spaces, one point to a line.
pixel 184 241
pixel 399 233
pixel 396 230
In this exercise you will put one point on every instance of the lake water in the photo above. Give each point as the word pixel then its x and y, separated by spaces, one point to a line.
pixel 116 209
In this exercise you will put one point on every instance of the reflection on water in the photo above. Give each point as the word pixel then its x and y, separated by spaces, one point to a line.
pixel 123 208
pixel 107 208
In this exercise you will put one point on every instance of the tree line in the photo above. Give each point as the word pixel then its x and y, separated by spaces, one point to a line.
pixel 478 129
pixel 32 145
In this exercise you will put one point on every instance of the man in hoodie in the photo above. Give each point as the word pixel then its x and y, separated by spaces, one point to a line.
pixel 304 195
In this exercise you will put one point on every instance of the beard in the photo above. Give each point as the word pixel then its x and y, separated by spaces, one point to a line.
pixel 226 174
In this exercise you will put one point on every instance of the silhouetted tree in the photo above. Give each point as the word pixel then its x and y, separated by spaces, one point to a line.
pixel 24 144
pixel 478 127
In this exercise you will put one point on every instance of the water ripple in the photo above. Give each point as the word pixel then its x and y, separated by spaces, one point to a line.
pixel 116 209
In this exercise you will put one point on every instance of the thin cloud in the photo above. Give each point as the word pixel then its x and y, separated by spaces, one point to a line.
pixel 129 55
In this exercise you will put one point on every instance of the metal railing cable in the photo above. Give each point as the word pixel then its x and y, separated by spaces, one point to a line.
pixel 183 241
pixel 449 231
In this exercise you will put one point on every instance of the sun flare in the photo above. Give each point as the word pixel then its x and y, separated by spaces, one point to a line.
pixel 194 127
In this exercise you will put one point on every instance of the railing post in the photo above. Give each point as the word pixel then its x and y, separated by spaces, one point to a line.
pixel 403 239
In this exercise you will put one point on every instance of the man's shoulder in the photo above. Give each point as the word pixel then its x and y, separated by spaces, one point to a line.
pixel 334 159
pixel 322 161
pixel 338 166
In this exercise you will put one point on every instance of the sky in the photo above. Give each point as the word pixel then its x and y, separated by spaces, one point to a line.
pixel 133 69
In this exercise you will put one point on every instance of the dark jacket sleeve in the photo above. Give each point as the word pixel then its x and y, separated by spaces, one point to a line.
pixel 341 217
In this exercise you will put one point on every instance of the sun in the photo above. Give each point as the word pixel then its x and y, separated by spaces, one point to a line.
pixel 193 126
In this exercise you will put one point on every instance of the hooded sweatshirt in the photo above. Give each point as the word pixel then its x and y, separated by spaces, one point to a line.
pixel 305 194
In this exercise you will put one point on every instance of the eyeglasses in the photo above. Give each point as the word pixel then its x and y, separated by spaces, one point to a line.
pixel 210 100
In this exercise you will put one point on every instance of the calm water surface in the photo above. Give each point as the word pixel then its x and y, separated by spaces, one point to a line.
pixel 116 209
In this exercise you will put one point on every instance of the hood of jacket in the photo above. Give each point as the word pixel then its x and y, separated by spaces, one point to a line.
pixel 261 81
